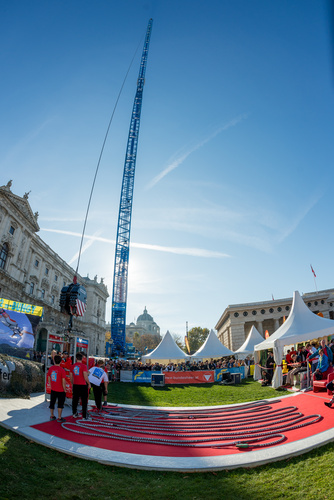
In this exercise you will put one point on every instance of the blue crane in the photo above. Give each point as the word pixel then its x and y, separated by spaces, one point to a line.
pixel 120 284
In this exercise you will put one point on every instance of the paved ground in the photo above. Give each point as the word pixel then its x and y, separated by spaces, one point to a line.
pixel 19 415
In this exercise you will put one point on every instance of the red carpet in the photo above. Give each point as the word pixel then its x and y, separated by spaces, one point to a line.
pixel 204 428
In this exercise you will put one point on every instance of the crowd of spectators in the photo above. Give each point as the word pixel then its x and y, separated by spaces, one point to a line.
pixel 318 355
pixel 115 366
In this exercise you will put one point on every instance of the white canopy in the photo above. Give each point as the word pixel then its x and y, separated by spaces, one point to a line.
pixel 247 348
pixel 212 348
pixel 166 351
pixel 302 325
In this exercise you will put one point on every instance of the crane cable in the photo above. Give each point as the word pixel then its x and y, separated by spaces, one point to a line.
pixel 100 157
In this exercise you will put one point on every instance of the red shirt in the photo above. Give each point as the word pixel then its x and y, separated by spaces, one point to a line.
pixel 78 370
pixel 56 374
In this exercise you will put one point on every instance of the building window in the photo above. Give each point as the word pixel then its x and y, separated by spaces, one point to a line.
pixel 315 302
pixel 254 313
pixel 12 230
pixel 279 309
pixel 309 304
pixel 42 294
pixel 52 299
pixel 322 301
pixel 36 263
pixel 271 310
pixel 263 311
pixel 46 271
pixel 236 315
pixel 32 286
pixel 287 308
pixel 245 313
pixel 56 277
pixel 3 255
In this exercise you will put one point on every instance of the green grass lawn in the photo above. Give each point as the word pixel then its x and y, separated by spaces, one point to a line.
pixel 31 471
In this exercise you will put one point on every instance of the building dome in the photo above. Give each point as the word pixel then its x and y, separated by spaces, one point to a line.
pixel 145 316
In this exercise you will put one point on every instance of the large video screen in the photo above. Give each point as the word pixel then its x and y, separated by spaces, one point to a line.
pixel 18 327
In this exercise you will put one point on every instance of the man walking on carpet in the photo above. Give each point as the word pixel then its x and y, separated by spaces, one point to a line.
pixel 99 381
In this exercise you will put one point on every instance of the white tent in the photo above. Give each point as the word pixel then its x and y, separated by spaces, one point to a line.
pixel 247 348
pixel 302 325
pixel 166 351
pixel 212 348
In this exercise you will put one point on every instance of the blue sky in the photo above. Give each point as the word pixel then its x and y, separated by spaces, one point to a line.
pixel 233 189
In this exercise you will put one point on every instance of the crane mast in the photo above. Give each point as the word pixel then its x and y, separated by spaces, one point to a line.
pixel 120 283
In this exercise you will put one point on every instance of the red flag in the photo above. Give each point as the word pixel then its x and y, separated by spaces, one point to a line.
pixel 313 271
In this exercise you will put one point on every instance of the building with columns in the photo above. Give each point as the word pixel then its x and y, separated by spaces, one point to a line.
pixel 237 320
pixel 31 272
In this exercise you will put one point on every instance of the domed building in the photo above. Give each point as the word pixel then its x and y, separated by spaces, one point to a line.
pixel 145 325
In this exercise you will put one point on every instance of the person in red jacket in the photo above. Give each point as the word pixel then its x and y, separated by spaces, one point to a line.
pixel 56 378
pixel 66 361
pixel 81 386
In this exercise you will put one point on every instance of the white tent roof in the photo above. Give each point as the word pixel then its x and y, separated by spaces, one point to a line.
pixel 212 348
pixel 253 338
pixel 302 325
pixel 166 351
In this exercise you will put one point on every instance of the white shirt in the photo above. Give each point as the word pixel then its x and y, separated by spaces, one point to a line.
pixel 97 375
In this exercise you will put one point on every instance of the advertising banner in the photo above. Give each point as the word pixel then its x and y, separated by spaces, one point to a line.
pixel 219 372
pixel 142 376
pixel 188 377
pixel 196 377
pixel 18 327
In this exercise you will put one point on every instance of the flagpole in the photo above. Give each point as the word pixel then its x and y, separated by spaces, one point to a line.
pixel 314 276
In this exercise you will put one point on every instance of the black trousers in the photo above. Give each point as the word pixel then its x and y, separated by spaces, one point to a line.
pixel 61 396
pixel 98 391
pixel 80 391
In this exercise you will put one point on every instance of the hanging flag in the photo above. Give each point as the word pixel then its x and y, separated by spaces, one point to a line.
pixel 313 271
pixel 272 296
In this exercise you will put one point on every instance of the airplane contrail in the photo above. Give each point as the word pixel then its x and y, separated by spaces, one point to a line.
pixel 193 252
pixel 176 163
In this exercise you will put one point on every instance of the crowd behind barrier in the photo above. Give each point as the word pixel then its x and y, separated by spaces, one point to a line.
pixel 115 367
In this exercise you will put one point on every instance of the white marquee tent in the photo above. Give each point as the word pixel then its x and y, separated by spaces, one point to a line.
pixel 212 348
pixel 301 325
pixel 254 337
pixel 166 351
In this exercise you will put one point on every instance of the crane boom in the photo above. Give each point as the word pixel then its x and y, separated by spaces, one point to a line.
pixel 120 283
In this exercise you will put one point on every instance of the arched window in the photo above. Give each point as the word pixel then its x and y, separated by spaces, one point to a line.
pixel 3 255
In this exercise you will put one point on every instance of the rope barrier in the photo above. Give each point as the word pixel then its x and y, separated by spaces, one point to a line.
pixel 254 425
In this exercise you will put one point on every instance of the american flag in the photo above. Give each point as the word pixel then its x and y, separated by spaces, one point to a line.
pixel 79 309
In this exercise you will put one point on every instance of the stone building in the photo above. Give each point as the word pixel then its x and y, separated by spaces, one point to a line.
pixel 145 325
pixel 31 272
pixel 237 320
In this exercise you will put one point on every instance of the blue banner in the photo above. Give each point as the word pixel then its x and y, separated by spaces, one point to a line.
pixel 219 372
